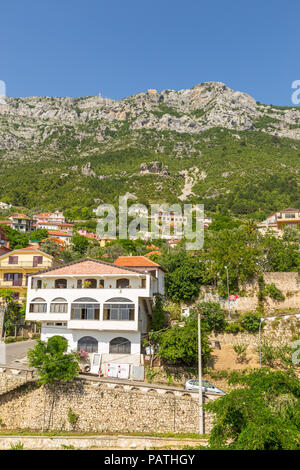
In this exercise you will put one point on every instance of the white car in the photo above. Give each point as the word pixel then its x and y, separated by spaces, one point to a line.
pixel 193 384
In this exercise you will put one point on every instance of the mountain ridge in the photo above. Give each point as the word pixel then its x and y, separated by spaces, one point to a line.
pixel 206 144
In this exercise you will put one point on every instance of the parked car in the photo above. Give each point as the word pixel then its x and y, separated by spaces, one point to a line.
pixel 193 384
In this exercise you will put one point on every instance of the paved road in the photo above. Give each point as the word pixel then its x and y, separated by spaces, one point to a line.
pixel 16 351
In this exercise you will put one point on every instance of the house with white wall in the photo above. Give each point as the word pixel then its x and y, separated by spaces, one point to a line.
pixel 97 307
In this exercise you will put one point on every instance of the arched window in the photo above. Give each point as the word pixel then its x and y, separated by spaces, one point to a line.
pixel 38 305
pixel 85 308
pixel 122 283
pixel 59 305
pixel 118 308
pixel 120 346
pixel 88 344
pixel 60 283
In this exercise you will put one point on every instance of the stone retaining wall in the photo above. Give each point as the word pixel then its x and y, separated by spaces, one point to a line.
pixel 287 282
pixel 277 331
pixel 99 409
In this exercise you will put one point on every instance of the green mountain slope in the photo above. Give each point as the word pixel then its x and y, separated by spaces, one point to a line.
pixel 206 145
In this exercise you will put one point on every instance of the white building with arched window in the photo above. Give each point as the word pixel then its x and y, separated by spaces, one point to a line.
pixel 97 307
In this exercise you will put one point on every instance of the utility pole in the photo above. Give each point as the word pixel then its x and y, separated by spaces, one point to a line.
pixel 229 316
pixel 259 335
pixel 201 424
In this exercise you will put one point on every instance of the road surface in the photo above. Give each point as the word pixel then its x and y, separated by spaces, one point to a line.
pixel 16 352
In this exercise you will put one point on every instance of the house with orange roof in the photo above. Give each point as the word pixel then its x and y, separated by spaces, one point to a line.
pixel 63 236
pixel 142 263
pixel 21 222
pixel 98 307
pixel 278 221
pixel 16 265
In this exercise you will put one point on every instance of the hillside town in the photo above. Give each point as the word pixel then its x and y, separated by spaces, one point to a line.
pixel 150 231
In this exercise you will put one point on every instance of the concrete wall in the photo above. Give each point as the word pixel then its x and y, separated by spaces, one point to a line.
pixel 100 409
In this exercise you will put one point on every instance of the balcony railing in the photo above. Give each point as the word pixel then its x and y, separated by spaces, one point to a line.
pixel 25 264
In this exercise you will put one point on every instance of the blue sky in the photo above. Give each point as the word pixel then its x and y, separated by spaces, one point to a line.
pixel 78 48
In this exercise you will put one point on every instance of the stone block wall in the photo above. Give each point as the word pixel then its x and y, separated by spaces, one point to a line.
pixel 99 409
pixel 287 282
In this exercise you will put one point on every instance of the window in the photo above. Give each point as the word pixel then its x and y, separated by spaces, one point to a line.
pixel 143 283
pixel 13 259
pixel 37 260
pixel 290 216
pixel 16 278
pixel 88 344
pixel 39 284
pixel 120 346
pixel 122 283
pixel 85 309
pixel 60 283
pixel 114 311
pixel 59 305
pixel 101 283
pixel 38 305
pixel 90 283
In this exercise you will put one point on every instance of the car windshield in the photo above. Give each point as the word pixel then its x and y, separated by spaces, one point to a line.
pixel 206 383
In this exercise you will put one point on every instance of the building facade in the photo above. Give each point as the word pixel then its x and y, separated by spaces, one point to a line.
pixel 278 221
pixel 97 307
pixel 16 265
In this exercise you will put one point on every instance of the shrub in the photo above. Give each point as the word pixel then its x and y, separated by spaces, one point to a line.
pixel 72 417
pixel 213 315
pixel 240 350
pixel 233 328
pixel 273 292
pixel 250 322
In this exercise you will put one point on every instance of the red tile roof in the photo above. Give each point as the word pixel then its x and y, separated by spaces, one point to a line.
pixel 136 262
pixel 59 234
pixel 88 266
pixel 153 253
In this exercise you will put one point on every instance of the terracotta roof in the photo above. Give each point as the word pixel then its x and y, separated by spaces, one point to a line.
pixel 6 222
pixel 153 253
pixel 88 266
pixel 30 249
pixel 136 262
pixel 57 233
pixel 20 216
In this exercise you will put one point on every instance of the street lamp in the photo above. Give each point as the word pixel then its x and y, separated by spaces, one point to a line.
pixel 229 316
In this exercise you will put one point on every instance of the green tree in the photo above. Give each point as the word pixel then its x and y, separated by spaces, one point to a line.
pixel 16 239
pixel 179 344
pixel 51 248
pixel 14 312
pixel 52 361
pixel 263 413
pixel 238 249
pixel 38 235
pixel 158 320
pixel 213 315
pixel 80 243
pixel 185 274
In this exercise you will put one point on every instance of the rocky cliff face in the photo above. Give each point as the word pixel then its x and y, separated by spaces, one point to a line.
pixel 28 121
pixel 206 144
